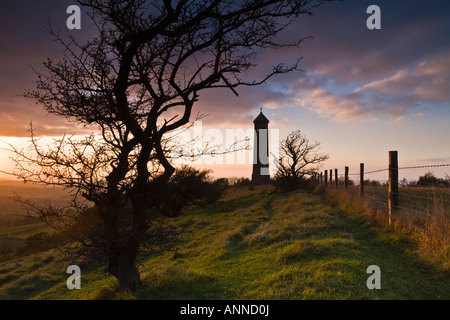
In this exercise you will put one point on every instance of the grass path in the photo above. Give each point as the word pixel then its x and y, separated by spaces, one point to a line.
pixel 261 246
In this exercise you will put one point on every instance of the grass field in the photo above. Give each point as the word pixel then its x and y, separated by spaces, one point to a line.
pixel 251 245
pixel 420 200
pixel 422 216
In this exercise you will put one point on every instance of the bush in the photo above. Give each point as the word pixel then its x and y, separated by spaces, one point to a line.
pixel 429 179
pixel 285 183
pixel 36 243
pixel 234 181
pixel 43 241
pixel 372 183
pixel 189 186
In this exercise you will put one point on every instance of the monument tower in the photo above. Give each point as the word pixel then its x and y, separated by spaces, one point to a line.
pixel 261 173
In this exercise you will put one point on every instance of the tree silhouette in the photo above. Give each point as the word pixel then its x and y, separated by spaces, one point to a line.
pixel 298 158
pixel 429 179
pixel 136 81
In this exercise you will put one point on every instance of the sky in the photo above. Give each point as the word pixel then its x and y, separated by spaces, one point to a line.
pixel 361 92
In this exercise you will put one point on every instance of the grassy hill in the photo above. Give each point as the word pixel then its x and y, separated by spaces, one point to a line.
pixel 251 245
pixel 15 237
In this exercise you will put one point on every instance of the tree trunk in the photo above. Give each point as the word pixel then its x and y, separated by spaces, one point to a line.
pixel 122 265
pixel 128 274
pixel 122 249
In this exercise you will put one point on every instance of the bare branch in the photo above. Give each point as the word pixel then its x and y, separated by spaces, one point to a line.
pixel 136 82
pixel 299 158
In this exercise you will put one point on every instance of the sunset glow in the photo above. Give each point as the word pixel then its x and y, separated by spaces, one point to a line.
pixel 361 94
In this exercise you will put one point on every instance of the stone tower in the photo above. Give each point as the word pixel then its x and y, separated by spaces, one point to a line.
pixel 261 173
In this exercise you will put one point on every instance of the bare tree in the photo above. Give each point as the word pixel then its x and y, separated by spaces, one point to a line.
pixel 136 81
pixel 299 157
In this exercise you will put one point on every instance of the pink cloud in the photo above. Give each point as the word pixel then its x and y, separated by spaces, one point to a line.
pixel 435 65
pixel 429 80
pixel 340 109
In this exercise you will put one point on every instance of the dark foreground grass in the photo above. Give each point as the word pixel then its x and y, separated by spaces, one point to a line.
pixel 259 246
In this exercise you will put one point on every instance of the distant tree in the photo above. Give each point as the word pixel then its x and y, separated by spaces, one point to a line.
pixel 429 179
pixel 299 158
pixel 372 183
pixel 242 181
pixel 341 180
pixel 136 81
pixel 447 180
pixel 403 182
pixel 412 183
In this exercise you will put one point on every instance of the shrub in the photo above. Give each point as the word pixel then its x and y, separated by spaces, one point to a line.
pixel 429 179
pixel 44 241
pixel 190 186
pixel 234 181
pixel 36 243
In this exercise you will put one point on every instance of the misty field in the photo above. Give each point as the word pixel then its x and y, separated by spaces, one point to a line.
pixel 12 213
pixel 257 244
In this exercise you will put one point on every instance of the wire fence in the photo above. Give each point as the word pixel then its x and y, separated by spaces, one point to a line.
pixel 423 198
pixel 400 168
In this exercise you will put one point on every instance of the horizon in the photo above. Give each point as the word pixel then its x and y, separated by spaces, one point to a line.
pixel 361 94
pixel 227 150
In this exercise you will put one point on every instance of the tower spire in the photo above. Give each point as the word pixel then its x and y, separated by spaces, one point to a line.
pixel 260 173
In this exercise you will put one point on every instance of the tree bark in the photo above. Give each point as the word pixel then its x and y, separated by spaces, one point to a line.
pixel 122 265
pixel 122 249
pixel 128 274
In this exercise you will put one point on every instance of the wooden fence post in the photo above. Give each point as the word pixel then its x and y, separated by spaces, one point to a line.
pixel 393 184
pixel 326 177
pixel 346 178
pixel 331 176
pixel 361 179
pixel 321 178
pixel 336 177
